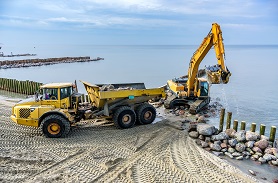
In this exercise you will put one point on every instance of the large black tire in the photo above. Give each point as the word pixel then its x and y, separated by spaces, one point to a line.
pixel 55 126
pixel 124 117
pixel 145 113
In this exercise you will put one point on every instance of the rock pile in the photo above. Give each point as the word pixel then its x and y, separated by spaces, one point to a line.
pixel 238 145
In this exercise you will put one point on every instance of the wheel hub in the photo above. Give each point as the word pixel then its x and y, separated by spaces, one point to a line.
pixel 148 115
pixel 126 118
pixel 53 128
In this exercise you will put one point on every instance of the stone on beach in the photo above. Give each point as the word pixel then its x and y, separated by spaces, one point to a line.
pixel 204 144
pixel 231 150
pixel 220 136
pixel 215 147
pixel 250 144
pixel 232 142
pixel 262 144
pixel 236 154
pixel 193 134
pixel 206 129
pixel 269 157
pixel 240 147
pixel 257 149
pixel 251 136
pixel 240 135
pixel 229 155
pixel 230 132
pixel 262 160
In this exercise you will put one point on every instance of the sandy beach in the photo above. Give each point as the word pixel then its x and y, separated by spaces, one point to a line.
pixel 96 151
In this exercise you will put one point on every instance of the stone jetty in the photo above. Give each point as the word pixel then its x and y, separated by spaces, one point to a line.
pixel 6 64
pixel 238 145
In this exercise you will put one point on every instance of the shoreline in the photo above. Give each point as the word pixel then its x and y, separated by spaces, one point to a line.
pixel 174 122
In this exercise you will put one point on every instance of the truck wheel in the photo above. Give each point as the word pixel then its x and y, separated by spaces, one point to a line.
pixel 146 114
pixel 124 117
pixel 55 126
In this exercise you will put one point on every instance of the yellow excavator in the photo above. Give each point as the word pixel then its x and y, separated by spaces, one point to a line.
pixel 193 92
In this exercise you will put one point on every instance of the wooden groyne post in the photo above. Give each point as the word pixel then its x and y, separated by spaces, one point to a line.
pixel 272 133
pixel 253 127
pixel 262 129
pixel 229 119
pixel 243 125
pixel 222 115
pixel 235 124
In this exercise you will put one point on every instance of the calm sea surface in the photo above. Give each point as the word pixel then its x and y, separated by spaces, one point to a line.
pixel 251 94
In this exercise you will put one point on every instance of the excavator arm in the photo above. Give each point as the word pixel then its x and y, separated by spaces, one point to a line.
pixel 217 74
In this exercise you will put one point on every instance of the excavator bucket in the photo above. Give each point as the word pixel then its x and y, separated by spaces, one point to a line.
pixel 216 75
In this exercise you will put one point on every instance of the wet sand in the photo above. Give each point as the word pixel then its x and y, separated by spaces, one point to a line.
pixel 96 151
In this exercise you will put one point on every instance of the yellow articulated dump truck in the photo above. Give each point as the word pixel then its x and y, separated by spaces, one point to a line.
pixel 57 106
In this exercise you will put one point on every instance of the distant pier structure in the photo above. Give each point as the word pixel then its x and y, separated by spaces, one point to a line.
pixel 6 64
pixel 17 55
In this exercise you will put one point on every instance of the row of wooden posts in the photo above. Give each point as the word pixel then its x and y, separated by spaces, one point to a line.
pixel 23 87
pixel 243 125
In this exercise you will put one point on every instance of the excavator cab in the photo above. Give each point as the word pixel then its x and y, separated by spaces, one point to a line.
pixel 203 88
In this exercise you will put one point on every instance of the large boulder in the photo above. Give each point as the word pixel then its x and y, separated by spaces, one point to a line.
pixel 206 129
pixel 240 147
pixel 257 149
pixel 250 144
pixel 264 137
pixel 262 144
pixel 220 136
pixel 271 150
pixel 269 157
pixel 204 144
pixel 232 142
pixel 215 147
pixel 193 134
pixel 230 132
pixel 250 136
pixel 240 135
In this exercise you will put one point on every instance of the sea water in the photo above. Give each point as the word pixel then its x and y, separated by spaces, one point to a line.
pixel 251 95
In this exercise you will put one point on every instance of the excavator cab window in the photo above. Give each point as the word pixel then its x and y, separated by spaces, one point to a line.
pixel 204 88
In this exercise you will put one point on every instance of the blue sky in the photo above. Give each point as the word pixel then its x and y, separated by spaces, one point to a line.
pixel 124 22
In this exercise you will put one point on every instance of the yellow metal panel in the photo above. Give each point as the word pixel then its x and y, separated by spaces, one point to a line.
pixel 176 87
pixel 26 122
pixel 127 93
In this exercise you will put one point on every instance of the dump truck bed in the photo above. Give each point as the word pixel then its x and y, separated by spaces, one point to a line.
pixel 102 94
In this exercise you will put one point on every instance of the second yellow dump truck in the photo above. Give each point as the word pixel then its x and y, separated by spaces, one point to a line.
pixel 56 107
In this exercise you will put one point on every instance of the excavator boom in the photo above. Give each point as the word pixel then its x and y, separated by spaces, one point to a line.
pixel 217 74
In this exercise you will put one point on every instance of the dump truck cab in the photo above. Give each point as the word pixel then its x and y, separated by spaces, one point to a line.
pixel 57 94
pixel 54 103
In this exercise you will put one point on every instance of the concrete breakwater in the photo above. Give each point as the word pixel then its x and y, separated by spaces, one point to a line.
pixel 23 87
pixel 6 64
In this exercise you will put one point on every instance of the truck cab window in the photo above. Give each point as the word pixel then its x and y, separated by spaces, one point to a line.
pixel 65 92
pixel 50 94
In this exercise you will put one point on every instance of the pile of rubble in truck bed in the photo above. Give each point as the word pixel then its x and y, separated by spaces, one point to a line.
pixel 110 87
